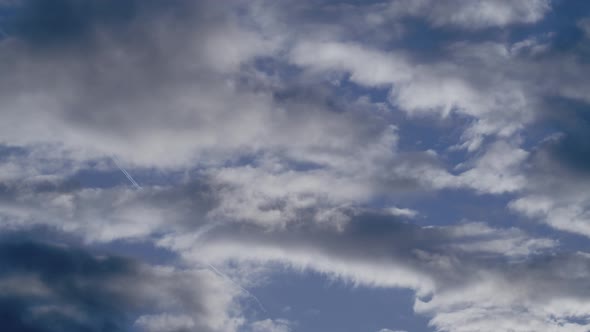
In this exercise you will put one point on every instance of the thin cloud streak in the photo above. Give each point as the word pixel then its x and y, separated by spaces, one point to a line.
pixel 129 177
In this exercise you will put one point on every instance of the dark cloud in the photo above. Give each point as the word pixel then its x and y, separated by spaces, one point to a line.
pixel 74 280
pixel 46 287
pixel 67 22
pixel 570 146
pixel 379 237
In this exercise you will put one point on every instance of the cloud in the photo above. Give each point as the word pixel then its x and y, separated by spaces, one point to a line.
pixel 555 191
pixel 473 15
pixel 466 277
pixel 512 298
pixel 104 214
pixel 459 84
pixel 55 288
pixel 165 322
pixel 200 104
pixel 267 133
pixel 497 170
pixel 129 73
pixel 442 88
pixel 268 325
pixel 379 234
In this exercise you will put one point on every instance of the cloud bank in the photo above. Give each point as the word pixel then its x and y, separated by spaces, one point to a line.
pixel 312 136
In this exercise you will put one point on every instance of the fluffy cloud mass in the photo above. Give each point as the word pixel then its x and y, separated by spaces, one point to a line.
pixel 163 162
pixel 47 287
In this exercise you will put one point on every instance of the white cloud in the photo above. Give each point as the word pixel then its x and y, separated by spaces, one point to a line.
pixel 498 170
pixel 401 212
pixel 511 301
pixel 269 325
pixel 498 104
pixel 570 215
pixel 165 323
pixel 473 14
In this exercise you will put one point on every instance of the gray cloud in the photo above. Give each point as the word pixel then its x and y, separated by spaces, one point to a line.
pixel 466 277
pixel 54 288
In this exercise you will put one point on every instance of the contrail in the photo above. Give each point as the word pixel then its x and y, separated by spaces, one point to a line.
pixel 129 177
pixel 238 285
pixel 216 271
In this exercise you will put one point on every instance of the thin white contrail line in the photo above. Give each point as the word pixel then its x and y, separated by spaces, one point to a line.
pixel 238 285
pixel 129 177
pixel 211 267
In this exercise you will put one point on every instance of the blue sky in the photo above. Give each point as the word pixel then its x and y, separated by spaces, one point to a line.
pixel 294 166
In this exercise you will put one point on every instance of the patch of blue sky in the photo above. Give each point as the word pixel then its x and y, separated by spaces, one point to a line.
pixel 317 303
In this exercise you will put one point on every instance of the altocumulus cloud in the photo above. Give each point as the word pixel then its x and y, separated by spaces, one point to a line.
pixel 308 136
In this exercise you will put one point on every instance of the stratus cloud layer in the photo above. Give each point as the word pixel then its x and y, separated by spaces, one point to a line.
pixel 260 137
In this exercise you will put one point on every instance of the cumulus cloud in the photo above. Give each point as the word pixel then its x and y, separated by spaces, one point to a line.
pixel 127 73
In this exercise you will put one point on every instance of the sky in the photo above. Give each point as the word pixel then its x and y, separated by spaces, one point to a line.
pixel 294 166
